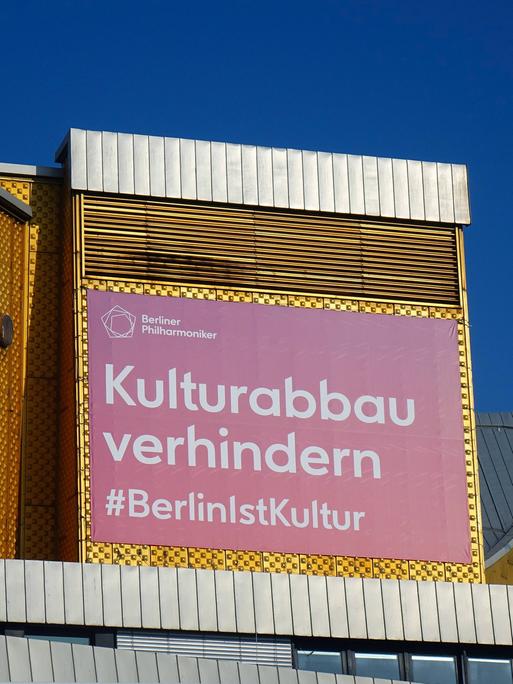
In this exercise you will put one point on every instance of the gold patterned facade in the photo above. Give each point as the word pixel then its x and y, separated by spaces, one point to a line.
pixel 88 256
pixel 35 270
pixel 13 254
pixel 63 244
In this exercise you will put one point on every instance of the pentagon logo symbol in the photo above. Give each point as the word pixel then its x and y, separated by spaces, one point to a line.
pixel 118 322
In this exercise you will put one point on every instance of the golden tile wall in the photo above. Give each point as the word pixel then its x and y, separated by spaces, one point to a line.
pixel 252 559
pixel 12 302
pixel 38 438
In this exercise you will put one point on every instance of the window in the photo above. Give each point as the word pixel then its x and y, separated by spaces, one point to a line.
pixel 384 665
pixel 320 661
pixel 486 670
pixel 434 669
pixel 66 638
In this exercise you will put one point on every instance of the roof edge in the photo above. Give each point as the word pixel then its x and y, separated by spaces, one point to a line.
pixel 15 207
pixel 30 170
pixel 228 173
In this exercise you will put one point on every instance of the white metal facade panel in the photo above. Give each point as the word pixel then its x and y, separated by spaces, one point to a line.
pixel 428 611
pixel 249 174
pixel 141 165
pixel 319 612
pixel 168 591
pixel 34 579
pixel 15 590
pixel 94 161
pixel 326 188
pixel 92 593
pixel 300 605
pixel 62 662
pixel 465 613
pixel 500 613
pixel 54 592
pixel 244 602
pixel 410 607
pixel 269 177
pixel 157 167
pixel 446 612
pixel 110 162
pixel 203 171
pixel 83 662
pixel 172 167
pixel 39 653
pixel 356 615
pixel 150 605
pixel 130 596
pixel 295 174
pixel 255 603
pixel 282 607
pixel 374 609
pixel 234 173
pixel 207 610
pixel 225 598
pixel 337 605
pixel 188 599
pixel 73 609
pixel 126 164
pixel 111 594
pixel 105 664
pixel 280 178
pixel 386 187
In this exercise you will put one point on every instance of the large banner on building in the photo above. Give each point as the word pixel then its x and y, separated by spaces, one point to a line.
pixel 244 426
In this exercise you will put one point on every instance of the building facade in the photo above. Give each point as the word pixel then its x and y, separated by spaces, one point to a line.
pixel 242 236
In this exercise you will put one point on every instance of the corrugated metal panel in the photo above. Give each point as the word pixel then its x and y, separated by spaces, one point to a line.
pixel 163 241
pixel 495 452
pixel 260 650
pixel 328 182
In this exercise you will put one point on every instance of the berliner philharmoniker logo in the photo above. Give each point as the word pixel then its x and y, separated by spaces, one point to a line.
pixel 118 322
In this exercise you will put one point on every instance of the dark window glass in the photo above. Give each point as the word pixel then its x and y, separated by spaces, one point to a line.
pixel 377 665
pixel 67 638
pixel 434 669
pixel 319 661
pixel 485 670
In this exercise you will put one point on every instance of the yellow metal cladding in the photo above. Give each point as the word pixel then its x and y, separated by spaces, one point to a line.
pixel 110 239
pixel 164 241
pixel 40 271
pixel 13 253
pixel 501 572
pixel 253 559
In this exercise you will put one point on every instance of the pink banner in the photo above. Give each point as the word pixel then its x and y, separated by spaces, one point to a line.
pixel 244 426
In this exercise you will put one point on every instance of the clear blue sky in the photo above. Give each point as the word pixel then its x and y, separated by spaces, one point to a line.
pixel 431 81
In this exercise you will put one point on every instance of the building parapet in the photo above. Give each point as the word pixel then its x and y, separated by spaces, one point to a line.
pixel 346 184
pixel 255 603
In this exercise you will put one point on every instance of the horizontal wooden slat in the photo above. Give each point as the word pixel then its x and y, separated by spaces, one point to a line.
pixel 170 242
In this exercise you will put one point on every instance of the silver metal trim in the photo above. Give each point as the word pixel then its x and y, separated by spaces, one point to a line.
pixel 268 177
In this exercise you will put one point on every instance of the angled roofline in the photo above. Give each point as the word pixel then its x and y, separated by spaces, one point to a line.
pixel 15 207
pixel 30 170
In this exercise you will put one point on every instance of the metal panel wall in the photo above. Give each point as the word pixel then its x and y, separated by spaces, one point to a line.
pixel 31 261
pixel 199 251
pixel 341 608
pixel 27 660
pixel 268 177
pixel 13 294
